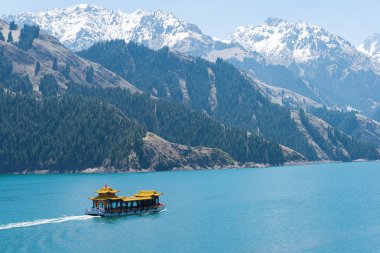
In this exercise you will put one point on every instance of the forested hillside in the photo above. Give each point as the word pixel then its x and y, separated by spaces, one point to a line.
pixel 71 133
pixel 64 127
pixel 60 112
pixel 352 123
pixel 35 56
pixel 179 124
pixel 76 133
pixel 224 93
pixel 219 89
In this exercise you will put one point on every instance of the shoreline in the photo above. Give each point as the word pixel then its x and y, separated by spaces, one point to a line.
pixel 103 170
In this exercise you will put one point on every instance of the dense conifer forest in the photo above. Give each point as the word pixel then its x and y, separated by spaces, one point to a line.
pixel 179 124
pixel 71 133
pixel 238 103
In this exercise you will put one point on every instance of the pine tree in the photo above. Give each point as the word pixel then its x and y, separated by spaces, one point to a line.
pixel 37 69
pixel 66 71
pixel 19 84
pixel 10 37
pixel 49 86
pixel 2 36
pixel 89 74
pixel 12 26
pixel 27 35
pixel 55 64
pixel 6 65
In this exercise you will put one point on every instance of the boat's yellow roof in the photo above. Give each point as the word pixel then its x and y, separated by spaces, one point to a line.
pixel 106 197
pixel 109 193
pixel 133 198
pixel 147 193
pixel 106 189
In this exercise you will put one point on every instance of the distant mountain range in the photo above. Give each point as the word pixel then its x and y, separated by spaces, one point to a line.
pixel 304 58
pixel 162 78
pixel 80 26
pixel 60 112
pixel 336 72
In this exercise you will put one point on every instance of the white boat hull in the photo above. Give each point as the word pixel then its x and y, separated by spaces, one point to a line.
pixel 103 213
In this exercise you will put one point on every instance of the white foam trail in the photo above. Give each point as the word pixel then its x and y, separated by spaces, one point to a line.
pixel 44 221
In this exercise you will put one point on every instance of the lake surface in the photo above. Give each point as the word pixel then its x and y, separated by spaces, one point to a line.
pixel 315 208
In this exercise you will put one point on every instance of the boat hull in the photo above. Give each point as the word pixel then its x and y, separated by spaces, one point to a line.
pixel 103 213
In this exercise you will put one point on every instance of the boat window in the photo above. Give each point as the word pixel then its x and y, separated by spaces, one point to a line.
pixel 100 204
pixel 134 203
pixel 114 204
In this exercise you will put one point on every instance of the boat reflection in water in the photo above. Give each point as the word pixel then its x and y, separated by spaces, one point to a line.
pixel 108 204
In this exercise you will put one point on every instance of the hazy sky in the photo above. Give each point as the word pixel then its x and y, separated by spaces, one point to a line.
pixel 353 20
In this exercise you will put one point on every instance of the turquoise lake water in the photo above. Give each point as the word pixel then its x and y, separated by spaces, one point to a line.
pixel 315 208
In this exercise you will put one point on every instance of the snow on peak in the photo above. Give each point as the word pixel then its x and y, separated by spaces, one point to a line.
pixel 371 46
pixel 80 26
pixel 278 40
pixel 284 42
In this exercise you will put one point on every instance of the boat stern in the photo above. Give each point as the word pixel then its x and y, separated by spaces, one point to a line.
pixel 95 212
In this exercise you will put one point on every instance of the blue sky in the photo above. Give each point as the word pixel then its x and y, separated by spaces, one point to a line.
pixel 353 20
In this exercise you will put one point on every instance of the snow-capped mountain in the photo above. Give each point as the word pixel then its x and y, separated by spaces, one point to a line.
pixel 285 43
pixel 80 26
pixel 294 55
pixel 330 65
pixel 371 46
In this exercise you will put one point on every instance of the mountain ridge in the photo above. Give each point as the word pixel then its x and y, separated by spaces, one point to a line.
pixel 90 23
pixel 325 67
pixel 238 100
pixel 208 88
pixel 47 89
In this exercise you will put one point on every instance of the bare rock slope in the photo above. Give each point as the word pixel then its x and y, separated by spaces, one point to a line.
pixel 163 155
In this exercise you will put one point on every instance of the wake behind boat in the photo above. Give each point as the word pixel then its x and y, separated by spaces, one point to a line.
pixel 108 204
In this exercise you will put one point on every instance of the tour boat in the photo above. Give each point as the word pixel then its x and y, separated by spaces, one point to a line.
pixel 107 204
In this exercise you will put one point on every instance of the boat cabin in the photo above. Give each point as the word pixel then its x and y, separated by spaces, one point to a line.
pixel 142 201
pixel 106 195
